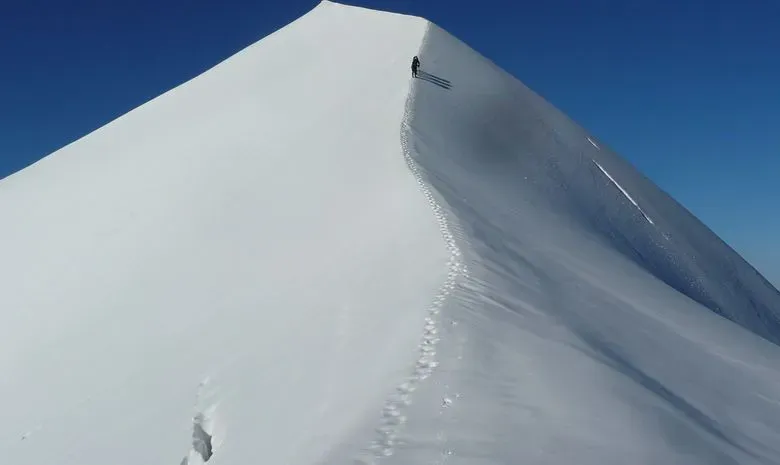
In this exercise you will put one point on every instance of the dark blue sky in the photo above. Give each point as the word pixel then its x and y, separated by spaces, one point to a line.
pixel 687 90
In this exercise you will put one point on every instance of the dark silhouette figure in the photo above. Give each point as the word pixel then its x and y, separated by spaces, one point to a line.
pixel 415 65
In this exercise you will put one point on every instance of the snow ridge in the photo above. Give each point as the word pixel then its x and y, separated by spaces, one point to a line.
pixel 393 417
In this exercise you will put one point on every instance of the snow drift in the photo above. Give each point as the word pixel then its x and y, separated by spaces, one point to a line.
pixel 317 266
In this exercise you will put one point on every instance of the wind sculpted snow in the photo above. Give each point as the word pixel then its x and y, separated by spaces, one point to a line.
pixel 255 267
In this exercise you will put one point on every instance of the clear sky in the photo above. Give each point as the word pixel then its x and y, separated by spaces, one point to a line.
pixel 687 90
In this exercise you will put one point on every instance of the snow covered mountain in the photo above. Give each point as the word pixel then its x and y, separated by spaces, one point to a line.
pixel 288 261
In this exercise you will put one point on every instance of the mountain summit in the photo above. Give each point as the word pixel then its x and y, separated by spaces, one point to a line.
pixel 288 260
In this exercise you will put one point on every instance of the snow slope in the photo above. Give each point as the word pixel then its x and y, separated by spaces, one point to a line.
pixel 256 229
pixel 588 329
pixel 281 261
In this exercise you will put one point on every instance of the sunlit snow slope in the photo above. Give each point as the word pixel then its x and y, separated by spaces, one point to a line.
pixel 256 230
pixel 303 256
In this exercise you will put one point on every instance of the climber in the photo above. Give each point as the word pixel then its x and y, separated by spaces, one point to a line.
pixel 415 65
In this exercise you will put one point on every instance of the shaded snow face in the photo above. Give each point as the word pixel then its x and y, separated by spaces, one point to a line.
pixel 542 161
pixel 588 329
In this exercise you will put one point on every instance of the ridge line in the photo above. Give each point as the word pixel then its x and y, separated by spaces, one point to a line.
pixel 393 417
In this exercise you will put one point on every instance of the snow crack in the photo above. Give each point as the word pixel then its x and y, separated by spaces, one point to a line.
pixel 203 444
pixel 623 191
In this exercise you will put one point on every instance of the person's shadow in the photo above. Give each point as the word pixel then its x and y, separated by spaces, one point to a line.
pixel 433 79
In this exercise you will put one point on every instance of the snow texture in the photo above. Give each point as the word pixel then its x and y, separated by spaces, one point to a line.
pixel 257 267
